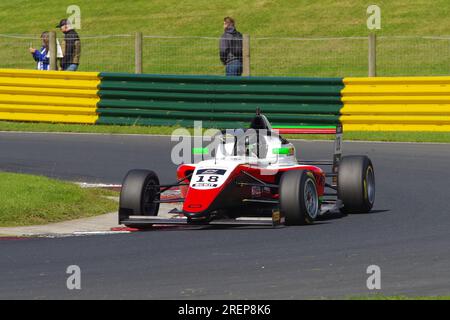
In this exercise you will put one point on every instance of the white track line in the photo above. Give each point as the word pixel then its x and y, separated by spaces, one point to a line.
pixel 97 185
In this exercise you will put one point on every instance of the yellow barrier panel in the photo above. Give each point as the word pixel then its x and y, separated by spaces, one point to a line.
pixel 395 119
pixel 50 96
pixel 49 83
pixel 396 127
pixel 45 101
pixel 396 104
pixel 49 92
pixel 48 109
pixel 68 75
pixel 396 109
pixel 41 117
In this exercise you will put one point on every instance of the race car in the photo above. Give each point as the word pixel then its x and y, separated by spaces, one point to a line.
pixel 252 178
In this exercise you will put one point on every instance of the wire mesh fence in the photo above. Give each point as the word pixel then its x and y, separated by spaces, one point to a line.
pixel 15 53
pixel 421 56
pixel 107 53
pixel 181 55
pixel 269 56
pixel 321 57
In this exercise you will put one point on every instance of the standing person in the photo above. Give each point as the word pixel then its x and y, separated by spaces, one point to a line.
pixel 231 48
pixel 71 47
pixel 41 56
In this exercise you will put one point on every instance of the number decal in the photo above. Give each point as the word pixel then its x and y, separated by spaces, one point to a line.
pixel 210 179
pixel 213 179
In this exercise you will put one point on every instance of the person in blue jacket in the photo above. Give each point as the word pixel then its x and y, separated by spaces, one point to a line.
pixel 41 56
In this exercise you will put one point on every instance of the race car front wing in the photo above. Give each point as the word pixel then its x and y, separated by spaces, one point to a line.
pixel 148 221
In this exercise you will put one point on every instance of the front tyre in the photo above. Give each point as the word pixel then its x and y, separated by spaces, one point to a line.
pixel 299 200
pixel 356 184
pixel 140 190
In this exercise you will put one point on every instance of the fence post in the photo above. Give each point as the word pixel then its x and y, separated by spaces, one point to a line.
pixel 372 55
pixel 246 55
pixel 138 52
pixel 52 50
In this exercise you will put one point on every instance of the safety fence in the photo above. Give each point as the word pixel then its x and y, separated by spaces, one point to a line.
pixel 304 104
pixel 333 56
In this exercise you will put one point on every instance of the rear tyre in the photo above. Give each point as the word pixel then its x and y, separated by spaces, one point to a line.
pixel 356 184
pixel 299 200
pixel 140 189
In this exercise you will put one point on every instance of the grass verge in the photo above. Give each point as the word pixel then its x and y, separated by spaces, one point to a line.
pixel 391 136
pixel 261 19
pixel 32 200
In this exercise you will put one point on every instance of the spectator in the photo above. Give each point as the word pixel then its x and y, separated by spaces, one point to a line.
pixel 41 56
pixel 231 48
pixel 71 47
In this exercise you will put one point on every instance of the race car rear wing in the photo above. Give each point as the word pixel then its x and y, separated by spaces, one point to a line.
pixel 307 130
pixel 337 155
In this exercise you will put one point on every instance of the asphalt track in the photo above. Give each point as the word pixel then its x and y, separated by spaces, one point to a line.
pixel 407 235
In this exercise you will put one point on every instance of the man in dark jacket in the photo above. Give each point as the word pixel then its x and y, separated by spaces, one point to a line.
pixel 231 48
pixel 71 47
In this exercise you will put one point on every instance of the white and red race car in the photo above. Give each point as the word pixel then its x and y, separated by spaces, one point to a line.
pixel 252 178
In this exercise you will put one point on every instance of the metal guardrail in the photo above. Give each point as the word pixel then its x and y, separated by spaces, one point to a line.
pixel 396 104
pixel 293 104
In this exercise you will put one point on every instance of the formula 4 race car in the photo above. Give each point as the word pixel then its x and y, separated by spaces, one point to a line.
pixel 252 178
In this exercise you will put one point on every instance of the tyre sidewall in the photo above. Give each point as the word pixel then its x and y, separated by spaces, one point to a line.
pixel 352 184
pixel 133 190
pixel 292 203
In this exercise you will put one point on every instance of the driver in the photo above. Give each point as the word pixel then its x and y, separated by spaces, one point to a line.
pixel 252 144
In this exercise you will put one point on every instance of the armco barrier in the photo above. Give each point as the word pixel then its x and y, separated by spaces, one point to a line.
pixel 304 104
pixel 396 104
pixel 50 96
pixel 128 99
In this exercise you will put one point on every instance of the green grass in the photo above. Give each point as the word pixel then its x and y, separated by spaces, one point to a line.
pixel 83 128
pixel 32 200
pixel 259 18
pixel 440 137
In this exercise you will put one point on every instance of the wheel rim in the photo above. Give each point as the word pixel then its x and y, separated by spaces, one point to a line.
pixel 311 199
pixel 150 194
pixel 369 185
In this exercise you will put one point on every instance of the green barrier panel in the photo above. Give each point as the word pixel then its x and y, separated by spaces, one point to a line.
pixel 299 90
pixel 130 99
pixel 129 121
pixel 218 79
pixel 203 97
pixel 331 119
pixel 306 108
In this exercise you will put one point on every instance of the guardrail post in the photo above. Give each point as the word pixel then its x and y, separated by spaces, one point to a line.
pixel 246 55
pixel 138 52
pixel 372 55
pixel 52 50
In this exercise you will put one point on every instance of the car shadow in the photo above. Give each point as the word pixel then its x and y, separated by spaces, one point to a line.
pixel 331 216
pixel 378 211
pixel 219 227
pixel 339 215
pixel 319 221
